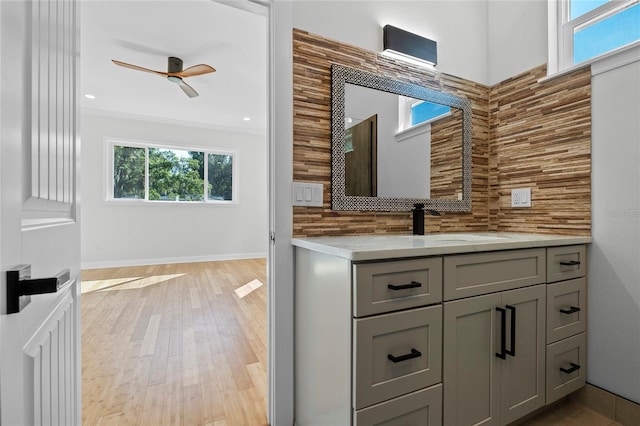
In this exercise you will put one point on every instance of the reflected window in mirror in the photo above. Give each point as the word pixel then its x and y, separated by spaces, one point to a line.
pixel 412 112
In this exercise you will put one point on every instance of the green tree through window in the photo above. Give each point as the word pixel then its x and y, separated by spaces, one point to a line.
pixel 128 172
pixel 173 175
pixel 220 177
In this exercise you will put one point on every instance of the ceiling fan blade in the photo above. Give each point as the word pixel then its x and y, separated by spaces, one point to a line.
pixel 135 67
pixel 195 70
pixel 190 91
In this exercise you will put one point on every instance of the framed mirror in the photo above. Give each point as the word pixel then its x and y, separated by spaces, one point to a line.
pixel 395 144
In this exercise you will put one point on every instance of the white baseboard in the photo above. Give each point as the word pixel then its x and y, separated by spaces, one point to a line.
pixel 159 261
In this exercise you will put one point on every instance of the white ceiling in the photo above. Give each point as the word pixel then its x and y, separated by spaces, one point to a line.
pixel 146 32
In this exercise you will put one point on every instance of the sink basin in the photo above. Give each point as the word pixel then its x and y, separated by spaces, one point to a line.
pixel 467 238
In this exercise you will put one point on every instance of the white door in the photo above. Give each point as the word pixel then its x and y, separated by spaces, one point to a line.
pixel 39 211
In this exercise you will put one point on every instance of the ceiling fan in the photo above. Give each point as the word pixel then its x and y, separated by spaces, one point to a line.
pixel 175 73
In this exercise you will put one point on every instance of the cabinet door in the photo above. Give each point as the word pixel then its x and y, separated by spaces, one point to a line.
pixel 522 375
pixel 471 374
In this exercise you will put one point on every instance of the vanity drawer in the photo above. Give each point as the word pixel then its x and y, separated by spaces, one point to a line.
pixel 423 407
pixel 566 309
pixel 565 263
pixel 395 354
pixel 566 366
pixel 481 273
pixel 390 286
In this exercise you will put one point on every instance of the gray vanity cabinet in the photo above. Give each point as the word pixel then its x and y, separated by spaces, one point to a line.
pixel 494 344
pixel 566 320
pixel 390 334
pixel 492 390
pixel 368 340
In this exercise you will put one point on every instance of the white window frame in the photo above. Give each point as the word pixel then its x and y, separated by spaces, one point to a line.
pixel 561 29
pixel 111 143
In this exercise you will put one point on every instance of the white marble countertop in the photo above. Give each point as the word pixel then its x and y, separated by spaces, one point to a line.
pixel 374 247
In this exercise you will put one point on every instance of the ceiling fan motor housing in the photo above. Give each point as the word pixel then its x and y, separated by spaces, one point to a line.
pixel 175 64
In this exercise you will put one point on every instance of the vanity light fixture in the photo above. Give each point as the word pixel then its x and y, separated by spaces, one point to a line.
pixel 401 43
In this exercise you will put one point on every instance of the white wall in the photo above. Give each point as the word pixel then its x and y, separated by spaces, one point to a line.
pixel 517 37
pixel 134 234
pixel 614 260
pixel 483 41
pixel 459 27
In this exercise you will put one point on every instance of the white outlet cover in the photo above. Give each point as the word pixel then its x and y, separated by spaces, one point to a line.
pixel 521 197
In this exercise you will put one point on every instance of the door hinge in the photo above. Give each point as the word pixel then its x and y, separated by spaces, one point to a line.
pixel 272 237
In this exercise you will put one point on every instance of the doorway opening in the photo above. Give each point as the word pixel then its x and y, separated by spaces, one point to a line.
pixel 181 285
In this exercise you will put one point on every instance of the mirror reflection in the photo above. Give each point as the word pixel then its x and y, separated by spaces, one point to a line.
pixel 395 144
pixel 399 146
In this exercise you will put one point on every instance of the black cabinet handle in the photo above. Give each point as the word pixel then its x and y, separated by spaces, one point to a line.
pixel 414 354
pixel 512 351
pixel 571 310
pixel 570 263
pixel 574 367
pixel 503 333
pixel 412 284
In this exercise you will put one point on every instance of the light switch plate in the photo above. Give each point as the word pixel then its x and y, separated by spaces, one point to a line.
pixel 521 197
pixel 307 194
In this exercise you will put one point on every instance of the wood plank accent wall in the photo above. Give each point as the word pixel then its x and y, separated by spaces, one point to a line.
pixel 312 59
pixel 541 139
pixel 524 134
pixel 446 156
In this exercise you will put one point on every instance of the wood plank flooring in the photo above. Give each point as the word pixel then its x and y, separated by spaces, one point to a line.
pixel 567 413
pixel 186 344
pixel 179 344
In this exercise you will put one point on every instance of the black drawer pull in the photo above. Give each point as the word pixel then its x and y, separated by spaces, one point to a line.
pixel 571 310
pixel 574 367
pixel 412 284
pixel 414 354
pixel 570 263
pixel 512 351
pixel 503 333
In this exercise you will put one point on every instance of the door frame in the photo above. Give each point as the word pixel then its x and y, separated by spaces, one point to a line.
pixel 280 288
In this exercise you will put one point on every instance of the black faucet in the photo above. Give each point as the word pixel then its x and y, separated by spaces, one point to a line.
pixel 418 218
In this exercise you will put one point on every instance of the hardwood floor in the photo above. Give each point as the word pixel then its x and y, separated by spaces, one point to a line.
pixel 180 344
pixel 186 344
pixel 568 413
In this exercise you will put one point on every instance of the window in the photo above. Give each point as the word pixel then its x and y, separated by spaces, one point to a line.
pixel 153 173
pixel 587 29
